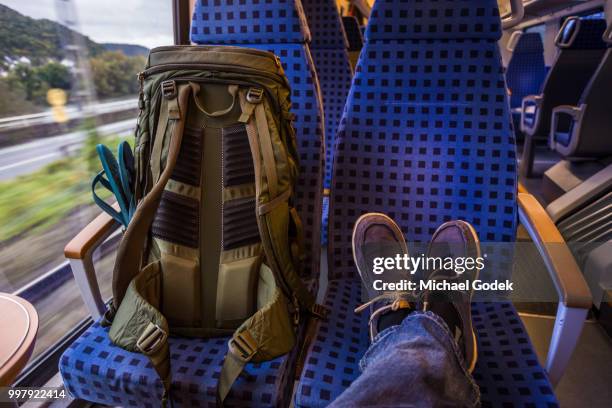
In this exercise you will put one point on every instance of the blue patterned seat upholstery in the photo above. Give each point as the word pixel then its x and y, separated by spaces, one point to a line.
pixel 508 372
pixel 526 69
pixel 329 52
pixel 425 138
pixel 95 370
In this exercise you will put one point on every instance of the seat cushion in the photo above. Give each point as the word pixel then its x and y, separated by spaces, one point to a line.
pixel 507 372
pixel 95 370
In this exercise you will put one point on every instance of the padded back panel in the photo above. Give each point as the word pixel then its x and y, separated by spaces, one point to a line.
pixel 279 26
pixel 526 70
pixel 328 47
pixel 353 33
pixel 426 135
pixel 577 61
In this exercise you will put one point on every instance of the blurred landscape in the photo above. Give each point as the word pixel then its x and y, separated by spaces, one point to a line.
pixel 48 134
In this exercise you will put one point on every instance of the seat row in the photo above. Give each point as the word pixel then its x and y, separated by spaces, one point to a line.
pixel 569 111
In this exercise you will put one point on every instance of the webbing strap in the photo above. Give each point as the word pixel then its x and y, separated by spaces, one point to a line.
pixel 158 143
pixel 266 149
pixel 263 138
pixel 153 343
pixel 241 349
pixel 130 250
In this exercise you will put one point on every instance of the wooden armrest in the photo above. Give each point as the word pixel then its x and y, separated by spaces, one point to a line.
pixel 91 235
pixel 560 262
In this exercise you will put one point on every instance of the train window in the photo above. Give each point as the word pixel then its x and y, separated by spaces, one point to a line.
pixel 67 82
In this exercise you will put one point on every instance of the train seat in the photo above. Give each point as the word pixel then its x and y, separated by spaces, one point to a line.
pixel 425 138
pixel 526 70
pixel 95 370
pixel 525 73
pixel 581 49
pixel 578 132
pixel 329 53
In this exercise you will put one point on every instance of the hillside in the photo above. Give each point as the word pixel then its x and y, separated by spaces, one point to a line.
pixel 130 50
pixel 40 40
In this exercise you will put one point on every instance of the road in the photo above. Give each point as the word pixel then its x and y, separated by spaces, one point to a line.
pixel 6 124
pixel 29 157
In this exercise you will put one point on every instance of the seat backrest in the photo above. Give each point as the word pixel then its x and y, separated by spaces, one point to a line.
pixel 279 26
pixel 581 49
pixel 353 33
pixel 595 131
pixel 526 69
pixel 426 134
pixel 329 52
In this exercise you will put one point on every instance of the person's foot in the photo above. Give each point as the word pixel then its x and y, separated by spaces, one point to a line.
pixel 377 236
pixel 455 239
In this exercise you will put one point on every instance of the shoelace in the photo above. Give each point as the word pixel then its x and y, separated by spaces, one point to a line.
pixel 398 300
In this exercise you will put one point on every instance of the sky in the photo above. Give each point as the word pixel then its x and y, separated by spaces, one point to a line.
pixel 142 22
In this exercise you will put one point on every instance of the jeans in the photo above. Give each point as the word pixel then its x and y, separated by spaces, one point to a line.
pixel 414 364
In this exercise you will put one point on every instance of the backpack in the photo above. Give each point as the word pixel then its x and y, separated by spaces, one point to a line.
pixel 215 245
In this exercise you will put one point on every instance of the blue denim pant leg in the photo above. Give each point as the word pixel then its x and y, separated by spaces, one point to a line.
pixel 415 364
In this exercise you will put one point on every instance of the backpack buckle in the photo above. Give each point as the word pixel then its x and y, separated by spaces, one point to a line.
pixel 152 339
pixel 243 346
pixel 319 311
pixel 254 95
pixel 169 89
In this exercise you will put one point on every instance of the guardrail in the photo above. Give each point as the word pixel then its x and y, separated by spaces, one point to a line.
pixel 17 130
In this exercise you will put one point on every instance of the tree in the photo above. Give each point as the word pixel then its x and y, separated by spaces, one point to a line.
pixel 36 81
pixel 114 74
pixel 55 75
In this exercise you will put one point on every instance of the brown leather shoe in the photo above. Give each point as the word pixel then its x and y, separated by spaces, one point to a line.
pixel 376 235
pixel 455 239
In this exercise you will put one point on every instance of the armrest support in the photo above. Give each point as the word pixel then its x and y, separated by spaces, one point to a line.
pixel 530 113
pixel 565 119
pixel 79 252
pixel 564 271
pixel 574 295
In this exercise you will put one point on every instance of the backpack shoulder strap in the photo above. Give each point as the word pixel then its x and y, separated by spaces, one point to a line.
pixel 131 248
pixel 138 325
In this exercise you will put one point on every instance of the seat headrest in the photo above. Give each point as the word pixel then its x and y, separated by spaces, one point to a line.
pixel 249 22
pixel 529 43
pixel 581 34
pixel 325 24
pixel 433 20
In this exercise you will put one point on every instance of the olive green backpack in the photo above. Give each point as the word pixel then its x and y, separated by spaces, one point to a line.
pixel 215 245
